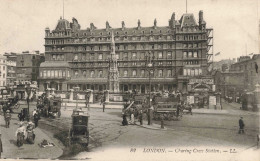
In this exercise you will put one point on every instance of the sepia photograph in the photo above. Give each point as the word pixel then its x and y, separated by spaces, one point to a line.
pixel 134 80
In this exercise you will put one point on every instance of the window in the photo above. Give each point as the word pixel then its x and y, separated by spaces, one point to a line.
pixel 200 71
pixel 100 56
pixel 142 72
pixel 64 73
pixel 195 54
pixel 160 73
pixel 184 54
pixel 100 74
pixel 68 74
pixel 84 73
pixel 43 74
pixel 60 73
pixel 4 75
pixel 169 63
pixel 125 73
pixel 184 72
pixel 160 63
pixel 3 67
pixel 54 57
pixel 169 54
pixel 48 73
pixel 125 64
pixel 134 55
pixel 76 57
pixel 190 54
pixel 76 73
pixel 134 63
pixel 52 73
pixel 169 73
pixel 192 72
pixel 117 56
pixel 100 48
pixel 134 73
pixel 92 73
pixel 99 64
pixel 160 55
pixel 196 72
pixel 126 55
pixel 92 56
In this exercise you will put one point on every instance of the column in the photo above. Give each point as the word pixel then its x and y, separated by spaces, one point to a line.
pixel 71 94
pixel 90 96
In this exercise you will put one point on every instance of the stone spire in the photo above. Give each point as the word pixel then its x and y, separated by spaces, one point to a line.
pixel 113 70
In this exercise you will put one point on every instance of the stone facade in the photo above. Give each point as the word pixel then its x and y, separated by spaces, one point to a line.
pixel 27 66
pixel 3 71
pixel 11 68
pixel 78 57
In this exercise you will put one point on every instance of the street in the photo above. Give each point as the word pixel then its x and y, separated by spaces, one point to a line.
pixel 106 132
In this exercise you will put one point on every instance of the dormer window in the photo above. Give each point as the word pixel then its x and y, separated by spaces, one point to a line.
pixel 160 31
pixel 151 32
pixel 85 34
pixel 134 31
pixel 91 33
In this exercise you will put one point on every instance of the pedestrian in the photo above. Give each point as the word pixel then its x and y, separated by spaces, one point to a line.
pixel 241 125
pixel 104 105
pixel 36 119
pixel 141 117
pixel 1 145
pixel 133 118
pixel 20 115
pixel 124 122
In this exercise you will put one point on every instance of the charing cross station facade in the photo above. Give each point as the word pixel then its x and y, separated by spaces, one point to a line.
pixel 76 57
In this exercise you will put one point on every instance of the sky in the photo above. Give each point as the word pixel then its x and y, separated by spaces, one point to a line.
pixel 235 22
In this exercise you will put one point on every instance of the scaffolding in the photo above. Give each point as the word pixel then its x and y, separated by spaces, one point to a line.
pixel 209 54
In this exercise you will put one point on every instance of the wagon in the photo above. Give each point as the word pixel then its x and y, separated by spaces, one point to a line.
pixel 79 132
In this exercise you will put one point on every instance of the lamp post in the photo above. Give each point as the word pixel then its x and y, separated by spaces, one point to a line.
pixel 149 64
pixel 28 91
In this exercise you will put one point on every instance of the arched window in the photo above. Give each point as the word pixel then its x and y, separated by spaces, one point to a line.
pixel 134 73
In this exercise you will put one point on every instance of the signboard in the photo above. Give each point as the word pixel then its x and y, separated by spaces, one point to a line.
pixel 118 98
pixel 212 100
pixel 190 99
pixel 200 81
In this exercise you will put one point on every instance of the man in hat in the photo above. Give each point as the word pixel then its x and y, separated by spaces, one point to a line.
pixel 241 125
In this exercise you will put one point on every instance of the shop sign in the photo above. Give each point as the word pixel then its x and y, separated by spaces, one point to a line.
pixel 201 81
pixel 212 100
pixel 190 99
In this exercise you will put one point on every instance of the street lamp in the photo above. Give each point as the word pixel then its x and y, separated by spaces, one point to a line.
pixel 149 64
pixel 28 91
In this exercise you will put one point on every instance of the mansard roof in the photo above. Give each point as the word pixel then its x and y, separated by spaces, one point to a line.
pixel 123 31
pixel 188 19
pixel 63 25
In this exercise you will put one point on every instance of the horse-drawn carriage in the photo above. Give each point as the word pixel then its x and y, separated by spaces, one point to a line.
pixel 49 106
pixel 79 132
pixel 166 108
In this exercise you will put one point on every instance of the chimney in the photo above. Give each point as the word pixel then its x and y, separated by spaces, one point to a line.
pixel 200 17
pixel 123 25
pixel 172 20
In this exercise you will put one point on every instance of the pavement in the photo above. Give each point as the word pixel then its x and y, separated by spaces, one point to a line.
pixel 27 151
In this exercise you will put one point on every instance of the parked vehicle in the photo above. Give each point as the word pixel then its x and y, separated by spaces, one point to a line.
pixel 79 132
